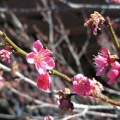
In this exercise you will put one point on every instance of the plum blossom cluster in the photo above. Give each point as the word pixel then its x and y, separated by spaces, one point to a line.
pixel 104 60
pixel 42 60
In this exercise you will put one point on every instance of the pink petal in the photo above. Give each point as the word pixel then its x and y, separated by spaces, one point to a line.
pixel 37 46
pixel 77 77
pixel 115 65
pixel 112 74
pixel 43 81
pixel 40 69
pixel 30 57
pixel 100 71
pixel 111 81
pixel 104 51
pixel 100 61
pixel 49 63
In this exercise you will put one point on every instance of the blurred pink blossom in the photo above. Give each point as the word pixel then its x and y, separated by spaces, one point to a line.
pixel 44 81
pixel 2 79
pixel 5 55
pixel 114 73
pixel 113 1
pixel 40 57
pixel 82 85
pixel 48 117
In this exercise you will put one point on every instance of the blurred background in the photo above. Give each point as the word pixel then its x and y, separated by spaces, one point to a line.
pixel 59 25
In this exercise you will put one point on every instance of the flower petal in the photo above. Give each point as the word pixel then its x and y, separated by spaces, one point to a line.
pixel 100 71
pixel 115 65
pixel 49 63
pixel 104 51
pixel 111 81
pixel 112 74
pixel 40 69
pixel 37 46
pixel 30 57
pixel 43 81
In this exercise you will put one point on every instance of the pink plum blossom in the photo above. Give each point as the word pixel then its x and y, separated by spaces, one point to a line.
pixel 102 60
pixel 5 55
pixel 114 73
pixel 43 81
pixel 82 85
pixel 40 57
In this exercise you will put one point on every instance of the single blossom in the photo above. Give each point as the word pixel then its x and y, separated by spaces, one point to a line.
pixel 82 85
pixel 114 73
pixel 5 55
pixel 40 57
pixel 102 60
pixel 94 22
pixel 44 81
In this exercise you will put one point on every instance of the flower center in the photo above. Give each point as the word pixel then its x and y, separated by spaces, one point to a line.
pixel 39 57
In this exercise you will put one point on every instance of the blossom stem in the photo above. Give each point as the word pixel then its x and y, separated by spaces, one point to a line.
pixel 18 50
pixel 55 72
pixel 108 100
pixel 22 52
pixel 115 40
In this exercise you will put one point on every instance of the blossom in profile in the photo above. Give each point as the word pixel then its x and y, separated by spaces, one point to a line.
pixel 114 73
pixel 40 57
pixel 5 55
pixel 82 85
pixel 44 81
pixel 48 117
pixel 101 64
pixel 94 22
pixel 103 59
